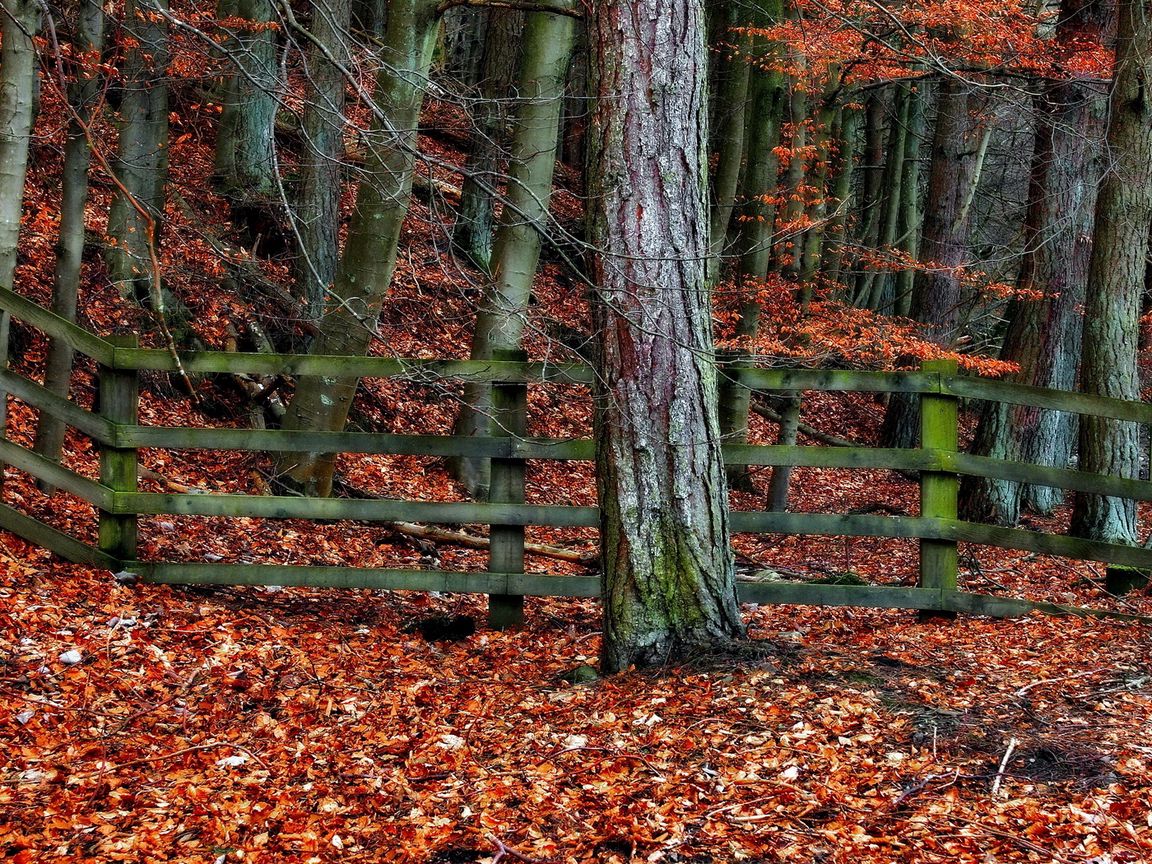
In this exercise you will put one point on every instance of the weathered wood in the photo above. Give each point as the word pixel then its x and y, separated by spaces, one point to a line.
pixel 52 324
pixel 119 401
pixel 939 491
pixel 1010 607
pixel 289 507
pixel 57 542
pixel 837 380
pixel 837 525
pixel 1042 475
pixel 832 457
pixel 819 594
pixel 93 425
pixel 364 367
pixel 55 474
pixel 506 486
pixel 471 541
pixel 192 438
pixel 523 584
pixel 967 387
pixel 1046 544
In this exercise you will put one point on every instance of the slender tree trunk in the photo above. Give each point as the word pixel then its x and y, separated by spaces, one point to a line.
pixel 245 162
pixel 754 247
pixel 1044 332
pixel 318 212
pixel 873 279
pixel 503 315
pixel 909 222
pixel 732 75
pixel 669 585
pixel 943 247
pixel 1116 274
pixel 475 221
pixel 141 163
pixel 18 23
pixel 369 258
pixel 832 254
pixel 465 31
pixel 83 93
pixel 872 187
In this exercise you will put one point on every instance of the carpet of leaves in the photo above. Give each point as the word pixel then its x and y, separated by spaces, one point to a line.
pixel 150 723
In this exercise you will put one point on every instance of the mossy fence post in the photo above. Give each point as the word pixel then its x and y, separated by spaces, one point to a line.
pixel 939 490
pixel 119 397
pixel 506 553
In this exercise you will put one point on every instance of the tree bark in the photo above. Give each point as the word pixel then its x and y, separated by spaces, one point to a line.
pixel 369 258
pixel 318 211
pixel 475 221
pixel 245 163
pixel 83 93
pixel 1044 333
pixel 502 318
pixel 141 163
pixel 669 587
pixel 943 246
pixel 1116 274
pixel 17 83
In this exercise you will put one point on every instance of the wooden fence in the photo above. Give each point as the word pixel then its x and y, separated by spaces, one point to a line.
pixel 119 503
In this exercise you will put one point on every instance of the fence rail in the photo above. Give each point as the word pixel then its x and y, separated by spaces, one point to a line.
pixel 938 529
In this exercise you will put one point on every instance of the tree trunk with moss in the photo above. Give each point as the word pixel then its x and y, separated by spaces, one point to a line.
pixel 83 94
pixel 503 314
pixel 318 210
pixel 669 587
pixel 245 162
pixel 1044 325
pixel 141 161
pixel 1116 274
pixel 369 259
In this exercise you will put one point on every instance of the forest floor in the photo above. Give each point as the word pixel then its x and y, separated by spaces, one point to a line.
pixel 157 724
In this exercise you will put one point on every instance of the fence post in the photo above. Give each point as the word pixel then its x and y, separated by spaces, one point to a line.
pixel 119 396
pixel 506 553
pixel 939 490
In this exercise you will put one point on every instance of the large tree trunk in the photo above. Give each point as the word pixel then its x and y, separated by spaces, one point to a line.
pixel 503 314
pixel 245 162
pixel 83 92
pixel 318 212
pixel 943 246
pixel 1044 332
pixel 141 163
pixel 369 258
pixel 1116 274
pixel 669 585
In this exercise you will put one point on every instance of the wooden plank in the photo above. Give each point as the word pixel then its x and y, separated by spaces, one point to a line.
pixel 290 507
pixel 835 380
pixel 818 594
pixel 939 490
pixel 1047 544
pixel 119 403
pixel 92 425
pixel 1011 607
pixel 262 440
pixel 52 324
pixel 1042 397
pixel 506 486
pixel 836 525
pixel 531 584
pixel 831 457
pixel 1043 475
pixel 409 369
pixel 56 474
pixel 57 542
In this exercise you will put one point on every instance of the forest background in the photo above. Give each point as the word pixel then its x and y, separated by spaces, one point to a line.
pixel 886 183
